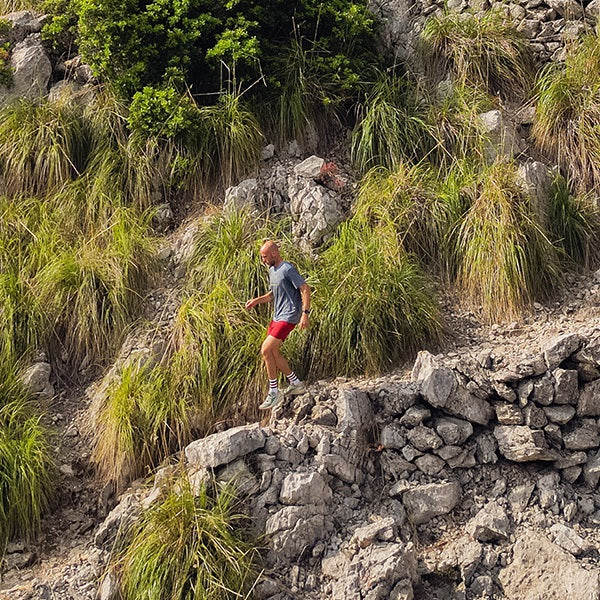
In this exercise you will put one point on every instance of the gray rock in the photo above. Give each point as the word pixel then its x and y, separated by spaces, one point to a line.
pixel 532 572
pixel 239 474
pixel 429 464
pixel 392 436
pixel 415 415
pixel 354 409
pixel 520 443
pixel 226 446
pixel 503 138
pixel 486 448
pixel 305 488
pixel 268 152
pixel 519 497
pixel 543 391
pixel 118 521
pixel 581 435
pixel 565 386
pixel 508 414
pixel 288 517
pixel 383 530
pixel 339 467
pixel 110 589
pixel 568 539
pixel 591 471
pixel 431 500
pixel 242 196
pixel 589 400
pixel 310 167
pixel 534 416
pixel 400 399
pixel 453 431
pixel 560 348
pixel 535 179
pixel 37 377
pixel 577 458
pixel 423 438
pixel 561 413
pixel 490 524
pixel 31 71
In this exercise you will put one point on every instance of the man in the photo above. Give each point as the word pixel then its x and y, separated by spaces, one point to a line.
pixel 291 296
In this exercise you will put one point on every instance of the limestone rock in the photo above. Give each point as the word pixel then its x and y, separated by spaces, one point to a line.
pixel 568 539
pixel 226 446
pixel 382 529
pixel 521 444
pixel 561 348
pixel 310 167
pixel 581 435
pixel 503 138
pixel 490 524
pixel 540 569
pixel 589 400
pixel 431 500
pixel 565 386
pixel 305 488
pixel 353 409
pixel 36 378
pixel 453 431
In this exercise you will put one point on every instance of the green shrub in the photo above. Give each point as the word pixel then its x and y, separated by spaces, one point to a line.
pixel 6 74
pixel 190 545
pixel 26 467
pixel 574 224
pixel 506 260
pixel 568 111
pixel 484 51
pixel 372 304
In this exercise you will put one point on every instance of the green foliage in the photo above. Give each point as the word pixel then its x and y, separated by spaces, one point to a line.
pixel 372 304
pixel 6 74
pixel 26 467
pixel 568 111
pixel 189 546
pixel 142 420
pixel 392 128
pixel 575 224
pixel 60 26
pixel 505 257
pixel 484 51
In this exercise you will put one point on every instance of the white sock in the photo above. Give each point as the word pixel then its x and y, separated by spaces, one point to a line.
pixel 293 379
pixel 273 387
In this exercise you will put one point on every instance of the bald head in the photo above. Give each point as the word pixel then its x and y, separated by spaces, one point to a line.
pixel 269 254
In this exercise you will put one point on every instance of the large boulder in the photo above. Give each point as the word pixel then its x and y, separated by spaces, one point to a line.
pixel 540 569
pixel 31 71
pixel 225 447
pixel 521 444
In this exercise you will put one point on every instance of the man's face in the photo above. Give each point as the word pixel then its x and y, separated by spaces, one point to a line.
pixel 267 256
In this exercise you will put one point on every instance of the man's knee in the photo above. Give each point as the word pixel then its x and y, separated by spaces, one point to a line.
pixel 269 348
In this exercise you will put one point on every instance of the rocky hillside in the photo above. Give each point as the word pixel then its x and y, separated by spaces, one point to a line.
pixel 472 475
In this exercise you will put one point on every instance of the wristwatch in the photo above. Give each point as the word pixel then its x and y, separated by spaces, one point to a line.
pixel 306 311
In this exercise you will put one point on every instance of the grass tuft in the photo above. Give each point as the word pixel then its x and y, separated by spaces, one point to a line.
pixel 485 51
pixel 189 545
pixel 506 260
pixel 568 112
pixel 26 466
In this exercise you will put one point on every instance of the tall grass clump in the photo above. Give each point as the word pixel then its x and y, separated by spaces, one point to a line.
pixel 407 200
pixel 392 127
pixel 568 112
pixel 8 6
pixel 485 51
pixel 142 420
pixel 233 138
pixel 506 260
pixel 43 145
pixel 373 304
pixel 574 224
pixel 190 545
pixel 217 363
pixel 26 466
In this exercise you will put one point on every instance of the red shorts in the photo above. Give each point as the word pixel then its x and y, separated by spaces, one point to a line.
pixel 280 329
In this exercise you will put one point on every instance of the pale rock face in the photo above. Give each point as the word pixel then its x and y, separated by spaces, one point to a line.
pixel 427 501
pixel 31 71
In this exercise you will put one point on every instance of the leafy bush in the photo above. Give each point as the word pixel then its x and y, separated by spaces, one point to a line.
pixel 189 545
pixel 505 257
pixel 568 111
pixel 26 467
pixel 6 74
pixel 484 51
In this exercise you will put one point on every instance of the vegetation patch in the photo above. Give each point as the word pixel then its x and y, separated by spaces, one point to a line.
pixel 189 545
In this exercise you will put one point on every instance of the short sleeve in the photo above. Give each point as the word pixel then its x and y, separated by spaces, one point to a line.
pixel 294 277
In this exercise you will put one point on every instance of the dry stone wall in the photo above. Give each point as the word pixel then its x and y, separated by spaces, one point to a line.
pixel 550 25
pixel 449 485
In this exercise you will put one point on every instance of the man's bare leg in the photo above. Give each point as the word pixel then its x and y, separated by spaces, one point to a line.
pixel 274 361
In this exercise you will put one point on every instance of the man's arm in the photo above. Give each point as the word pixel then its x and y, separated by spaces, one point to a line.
pixel 268 297
pixel 305 293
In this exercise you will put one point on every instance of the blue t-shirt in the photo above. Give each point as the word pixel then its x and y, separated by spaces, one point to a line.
pixel 285 282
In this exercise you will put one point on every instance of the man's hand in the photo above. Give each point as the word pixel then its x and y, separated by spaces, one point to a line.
pixel 251 303
pixel 303 321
